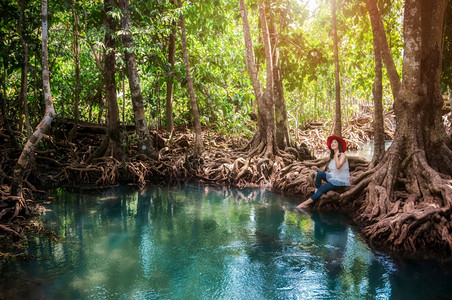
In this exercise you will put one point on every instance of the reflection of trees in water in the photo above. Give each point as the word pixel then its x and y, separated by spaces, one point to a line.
pixel 180 236
pixel 331 233
pixel 183 231
pixel 350 269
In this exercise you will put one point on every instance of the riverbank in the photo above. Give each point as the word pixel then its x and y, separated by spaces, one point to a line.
pixel 59 163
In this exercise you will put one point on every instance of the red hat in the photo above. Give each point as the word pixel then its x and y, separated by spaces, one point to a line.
pixel 339 139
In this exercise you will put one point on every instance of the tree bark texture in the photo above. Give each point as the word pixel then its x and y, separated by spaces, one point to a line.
pixel 141 127
pixel 28 150
pixel 378 27
pixel 250 58
pixel 281 121
pixel 431 60
pixel 253 73
pixel 199 147
pixel 111 146
pixel 377 91
pixel 337 115
pixel 267 108
pixel 264 141
pixel 408 204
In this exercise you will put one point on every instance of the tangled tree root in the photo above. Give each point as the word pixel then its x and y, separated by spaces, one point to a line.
pixel 417 222
pixel 398 210
pixel 16 221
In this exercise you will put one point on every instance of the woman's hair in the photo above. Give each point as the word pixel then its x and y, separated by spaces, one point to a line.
pixel 339 145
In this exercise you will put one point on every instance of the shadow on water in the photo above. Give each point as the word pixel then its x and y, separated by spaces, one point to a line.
pixel 202 242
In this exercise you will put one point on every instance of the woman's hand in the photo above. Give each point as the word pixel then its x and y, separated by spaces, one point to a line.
pixel 339 159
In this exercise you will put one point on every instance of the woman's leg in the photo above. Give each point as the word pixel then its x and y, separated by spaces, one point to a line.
pixel 322 190
pixel 318 178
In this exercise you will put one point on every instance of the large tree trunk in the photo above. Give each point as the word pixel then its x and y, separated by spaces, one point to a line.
pixel 409 195
pixel 252 72
pixel 170 80
pixel 337 115
pixel 111 146
pixel 28 150
pixel 141 127
pixel 268 96
pixel 263 142
pixel 199 147
pixel 379 30
pixel 431 62
pixel 377 91
pixel 282 126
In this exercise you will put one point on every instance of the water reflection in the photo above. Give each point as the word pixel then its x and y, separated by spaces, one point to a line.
pixel 200 242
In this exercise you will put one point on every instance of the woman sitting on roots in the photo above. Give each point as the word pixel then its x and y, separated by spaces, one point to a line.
pixel 339 174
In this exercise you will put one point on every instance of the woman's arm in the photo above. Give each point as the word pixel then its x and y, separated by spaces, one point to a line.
pixel 339 159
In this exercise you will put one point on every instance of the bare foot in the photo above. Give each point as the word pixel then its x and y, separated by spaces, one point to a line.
pixel 305 204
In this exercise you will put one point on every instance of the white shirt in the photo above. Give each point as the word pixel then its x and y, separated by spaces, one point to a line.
pixel 339 177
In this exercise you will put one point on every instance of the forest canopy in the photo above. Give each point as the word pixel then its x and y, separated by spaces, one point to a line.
pixel 217 57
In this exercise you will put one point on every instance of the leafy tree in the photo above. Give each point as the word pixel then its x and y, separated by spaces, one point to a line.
pixel 263 142
pixel 28 150
pixel 142 130
pixel 111 145
pixel 199 147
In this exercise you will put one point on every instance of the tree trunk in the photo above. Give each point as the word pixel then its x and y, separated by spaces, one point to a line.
pixel 23 96
pixel 28 150
pixel 141 127
pixel 268 96
pixel 377 91
pixel 199 147
pixel 264 141
pixel 250 59
pixel 170 79
pixel 379 30
pixel 282 126
pixel 111 146
pixel 76 47
pixel 253 73
pixel 431 60
pixel 337 115
pixel 408 204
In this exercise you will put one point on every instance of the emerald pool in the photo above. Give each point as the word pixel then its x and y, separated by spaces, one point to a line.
pixel 206 242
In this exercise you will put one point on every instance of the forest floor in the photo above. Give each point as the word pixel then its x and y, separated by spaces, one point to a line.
pixel 62 163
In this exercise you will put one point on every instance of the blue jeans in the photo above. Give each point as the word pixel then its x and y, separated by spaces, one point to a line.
pixel 322 189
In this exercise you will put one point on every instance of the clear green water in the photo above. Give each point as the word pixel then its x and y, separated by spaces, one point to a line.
pixel 200 242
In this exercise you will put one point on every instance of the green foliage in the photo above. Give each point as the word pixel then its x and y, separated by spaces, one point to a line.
pixel 217 58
